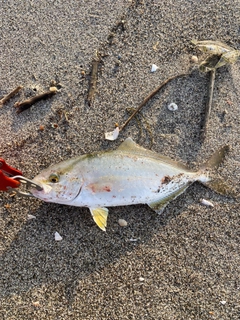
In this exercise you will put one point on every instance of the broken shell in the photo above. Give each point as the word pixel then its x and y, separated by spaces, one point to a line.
pixel 223 302
pixel 207 203
pixel 112 135
pixel 141 279
pixel 57 236
pixel 122 222
pixel 194 59
pixel 172 107
pixel 154 68
pixel 30 217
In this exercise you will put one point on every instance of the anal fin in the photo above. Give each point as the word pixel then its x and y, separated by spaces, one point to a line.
pixel 100 217
pixel 159 205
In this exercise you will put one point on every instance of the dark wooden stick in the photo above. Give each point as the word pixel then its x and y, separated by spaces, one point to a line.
pixel 93 81
pixel 10 95
pixel 149 97
pixel 208 104
pixel 22 106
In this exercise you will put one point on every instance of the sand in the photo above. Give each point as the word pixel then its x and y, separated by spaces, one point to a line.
pixel 183 264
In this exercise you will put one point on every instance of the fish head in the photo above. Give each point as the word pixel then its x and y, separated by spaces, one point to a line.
pixel 60 184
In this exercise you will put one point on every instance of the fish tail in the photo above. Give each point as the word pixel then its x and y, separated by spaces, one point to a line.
pixel 213 181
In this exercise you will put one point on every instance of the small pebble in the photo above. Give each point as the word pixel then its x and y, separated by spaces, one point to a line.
pixel 141 279
pixel 30 217
pixel 36 304
pixel 194 59
pixel 206 203
pixel 154 68
pixel 122 222
pixel 53 89
pixel 172 107
pixel 57 236
pixel 223 302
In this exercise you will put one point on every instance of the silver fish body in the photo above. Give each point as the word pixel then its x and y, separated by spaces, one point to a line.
pixel 126 176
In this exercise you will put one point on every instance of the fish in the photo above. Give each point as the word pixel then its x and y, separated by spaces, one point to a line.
pixel 213 47
pixel 128 175
pixel 221 54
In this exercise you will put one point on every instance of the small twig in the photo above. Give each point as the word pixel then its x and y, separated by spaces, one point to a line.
pixel 149 97
pixel 208 104
pixel 93 81
pixel 10 95
pixel 22 106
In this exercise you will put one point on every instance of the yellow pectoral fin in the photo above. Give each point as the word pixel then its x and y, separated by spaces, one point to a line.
pixel 100 217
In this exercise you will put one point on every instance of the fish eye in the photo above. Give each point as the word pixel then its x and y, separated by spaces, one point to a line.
pixel 54 178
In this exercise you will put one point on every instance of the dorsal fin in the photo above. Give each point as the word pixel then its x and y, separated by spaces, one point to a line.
pixel 132 147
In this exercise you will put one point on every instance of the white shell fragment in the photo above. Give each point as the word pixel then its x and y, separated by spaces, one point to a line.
pixel 30 217
pixel 57 236
pixel 172 107
pixel 122 222
pixel 154 68
pixel 112 135
pixel 133 239
pixel 206 203
pixel 141 279
pixel 223 302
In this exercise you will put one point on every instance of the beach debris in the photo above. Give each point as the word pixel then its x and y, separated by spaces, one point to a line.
pixel 7 206
pixel 128 175
pixel 54 125
pixel 10 95
pixel 223 302
pixel 172 107
pixel 57 236
pixel 194 59
pixel 212 46
pixel 41 127
pixel 203 130
pixel 141 279
pixel 122 223
pixel 36 304
pixel 112 135
pixel 22 106
pixel 154 68
pixel 30 217
pixel 220 54
pixel 151 94
pixel 155 46
pixel 93 79
pixel 83 73
pixel 134 239
pixel 206 203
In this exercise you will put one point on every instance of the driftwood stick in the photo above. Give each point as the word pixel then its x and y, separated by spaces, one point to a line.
pixel 22 106
pixel 208 104
pixel 93 81
pixel 10 95
pixel 149 97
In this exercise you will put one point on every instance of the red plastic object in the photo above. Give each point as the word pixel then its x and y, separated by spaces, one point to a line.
pixel 5 172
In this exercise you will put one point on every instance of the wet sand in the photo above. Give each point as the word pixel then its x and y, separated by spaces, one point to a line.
pixel 183 264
